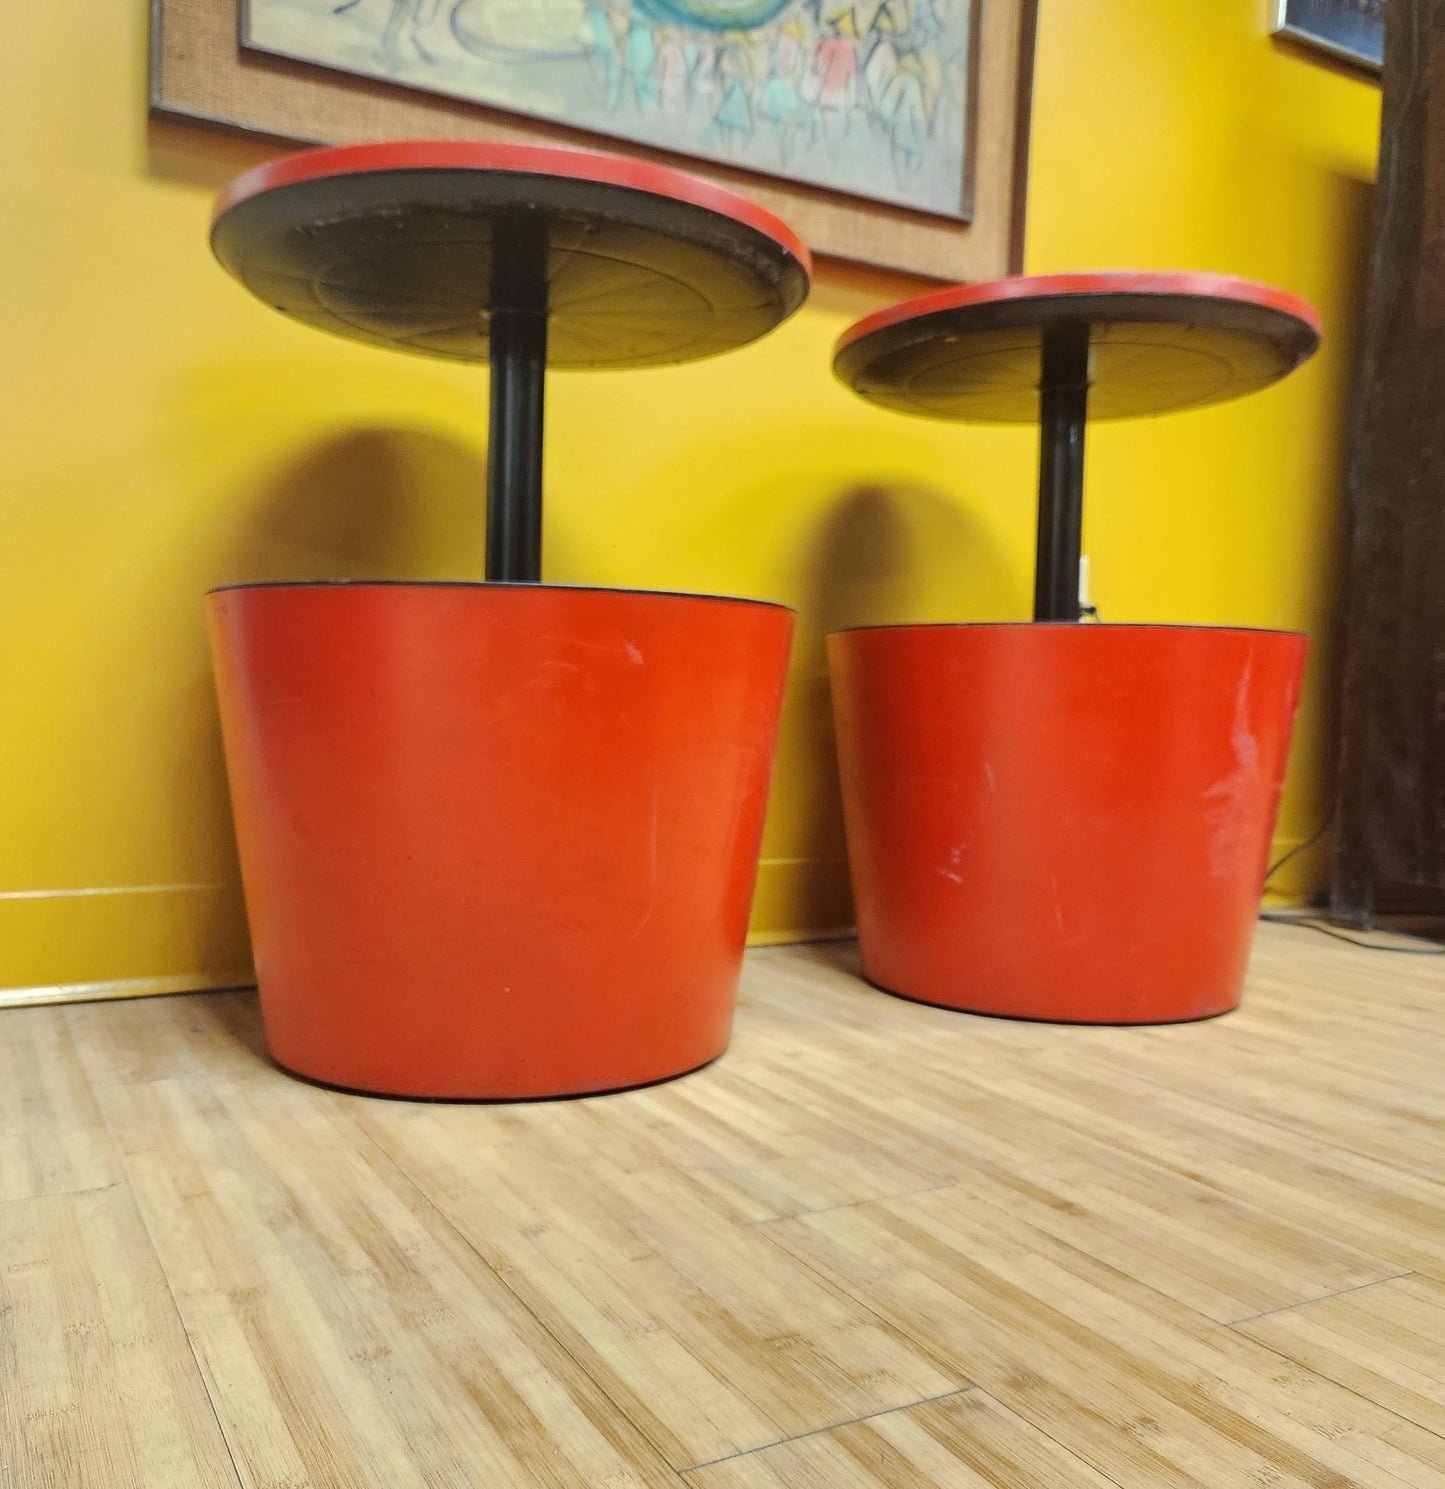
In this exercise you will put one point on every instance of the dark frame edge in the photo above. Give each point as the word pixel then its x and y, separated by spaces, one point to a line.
pixel 1023 133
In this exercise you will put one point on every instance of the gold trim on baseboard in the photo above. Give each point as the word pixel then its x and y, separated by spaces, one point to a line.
pixel 797 937
pixel 132 987
pixel 120 940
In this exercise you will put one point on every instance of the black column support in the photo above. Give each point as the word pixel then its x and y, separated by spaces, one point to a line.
pixel 518 335
pixel 1063 408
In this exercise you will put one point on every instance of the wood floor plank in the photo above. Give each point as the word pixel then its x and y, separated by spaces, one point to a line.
pixel 1358 1112
pixel 1333 1043
pixel 52 1138
pixel 1172 1097
pixel 705 1331
pixel 152 1039
pixel 878 1243
pixel 1402 992
pixel 98 1389
pixel 1144 1390
pixel 349 1336
pixel 758 1149
pixel 976 1119
pixel 967 1441
pixel 1299 1177
pixel 1225 1258
pixel 1386 1343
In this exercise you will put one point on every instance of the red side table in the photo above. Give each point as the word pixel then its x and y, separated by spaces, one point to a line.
pixel 1059 821
pixel 499 840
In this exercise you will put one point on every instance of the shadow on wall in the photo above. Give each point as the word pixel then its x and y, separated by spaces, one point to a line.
pixel 889 553
pixel 189 155
pixel 884 554
pixel 368 504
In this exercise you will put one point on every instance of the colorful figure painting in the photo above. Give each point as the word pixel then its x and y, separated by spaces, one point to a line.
pixel 867 97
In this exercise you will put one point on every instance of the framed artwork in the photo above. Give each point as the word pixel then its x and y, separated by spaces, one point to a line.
pixel 1352 30
pixel 870 99
pixel 892 132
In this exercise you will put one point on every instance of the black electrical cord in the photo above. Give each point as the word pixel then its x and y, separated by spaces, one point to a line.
pixel 1299 848
pixel 1306 923
pixel 1337 935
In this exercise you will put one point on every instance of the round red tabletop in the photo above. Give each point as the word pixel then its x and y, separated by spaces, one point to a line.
pixel 398 245
pixel 1156 342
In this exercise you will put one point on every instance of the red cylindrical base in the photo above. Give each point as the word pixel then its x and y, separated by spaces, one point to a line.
pixel 497 842
pixel 1064 822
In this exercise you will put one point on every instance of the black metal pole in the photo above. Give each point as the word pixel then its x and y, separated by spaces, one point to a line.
pixel 1063 408
pixel 518 341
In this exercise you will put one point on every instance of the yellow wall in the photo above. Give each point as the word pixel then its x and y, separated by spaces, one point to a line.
pixel 163 433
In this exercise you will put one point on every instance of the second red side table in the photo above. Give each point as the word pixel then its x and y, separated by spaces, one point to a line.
pixel 1050 820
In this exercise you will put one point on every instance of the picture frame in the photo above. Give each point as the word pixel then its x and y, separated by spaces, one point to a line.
pixel 200 73
pixel 1350 31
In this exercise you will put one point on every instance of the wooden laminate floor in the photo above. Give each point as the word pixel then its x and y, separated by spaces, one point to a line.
pixel 877 1244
